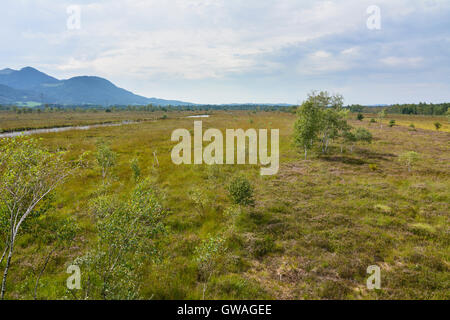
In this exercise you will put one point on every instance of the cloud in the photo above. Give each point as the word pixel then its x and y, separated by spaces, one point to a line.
pixel 259 49
pixel 402 61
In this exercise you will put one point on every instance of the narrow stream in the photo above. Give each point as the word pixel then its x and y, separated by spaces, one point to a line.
pixel 61 129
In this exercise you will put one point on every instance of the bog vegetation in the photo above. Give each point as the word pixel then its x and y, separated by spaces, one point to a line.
pixel 353 190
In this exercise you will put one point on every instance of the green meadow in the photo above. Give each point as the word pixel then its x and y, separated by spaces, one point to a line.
pixel 312 232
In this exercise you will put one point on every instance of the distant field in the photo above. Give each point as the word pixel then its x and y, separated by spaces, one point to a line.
pixel 11 121
pixel 313 232
pixel 419 121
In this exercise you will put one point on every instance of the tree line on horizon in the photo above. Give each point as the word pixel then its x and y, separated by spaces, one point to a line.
pixel 410 109
pixel 437 109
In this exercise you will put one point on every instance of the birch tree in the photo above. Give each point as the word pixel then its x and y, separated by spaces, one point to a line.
pixel 320 117
pixel 28 174
pixel 106 158
pixel 307 126
pixel 128 234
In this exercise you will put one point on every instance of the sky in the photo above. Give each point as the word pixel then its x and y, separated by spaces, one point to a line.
pixel 236 51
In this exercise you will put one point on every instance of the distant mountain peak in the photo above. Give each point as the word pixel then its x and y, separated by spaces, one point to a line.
pixel 29 69
pixel 37 86
pixel 7 71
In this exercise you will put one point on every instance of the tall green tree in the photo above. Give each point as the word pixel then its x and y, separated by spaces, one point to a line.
pixel 307 125
pixel 28 174
pixel 321 117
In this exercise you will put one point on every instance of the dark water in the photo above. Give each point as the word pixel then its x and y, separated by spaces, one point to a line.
pixel 51 130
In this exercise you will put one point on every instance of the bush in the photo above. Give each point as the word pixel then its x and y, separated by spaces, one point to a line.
pixel 409 158
pixel 134 164
pixel 241 191
pixel 373 120
pixel 392 123
pixel 412 126
pixel 264 246
pixel 437 125
pixel 106 158
pixel 363 135
pixel 360 117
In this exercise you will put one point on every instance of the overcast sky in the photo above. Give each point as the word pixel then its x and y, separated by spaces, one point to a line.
pixel 219 51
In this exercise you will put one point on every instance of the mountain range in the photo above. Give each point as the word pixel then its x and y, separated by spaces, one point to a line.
pixel 29 86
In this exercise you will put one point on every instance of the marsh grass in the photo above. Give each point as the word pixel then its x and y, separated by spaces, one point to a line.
pixel 314 229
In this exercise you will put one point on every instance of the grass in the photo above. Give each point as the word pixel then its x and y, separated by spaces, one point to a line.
pixel 11 121
pixel 315 228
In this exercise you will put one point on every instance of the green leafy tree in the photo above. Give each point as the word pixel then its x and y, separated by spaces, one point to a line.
pixel 332 123
pixel 321 115
pixel 307 126
pixel 208 256
pixel 106 158
pixel 360 117
pixel 28 174
pixel 349 138
pixel 128 235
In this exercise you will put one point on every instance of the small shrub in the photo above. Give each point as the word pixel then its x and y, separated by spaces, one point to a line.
pixel 373 120
pixel 383 208
pixel 134 164
pixel 412 126
pixel 363 135
pixel 392 123
pixel 437 125
pixel 360 117
pixel 106 158
pixel 262 247
pixel 208 255
pixel 333 290
pixel 200 200
pixel 373 167
pixel 241 191
pixel 409 158
pixel 232 213
pixel 422 229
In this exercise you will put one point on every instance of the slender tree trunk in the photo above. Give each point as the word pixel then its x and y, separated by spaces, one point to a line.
pixel 4 253
pixel 5 273
pixel 42 271
pixel 306 153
